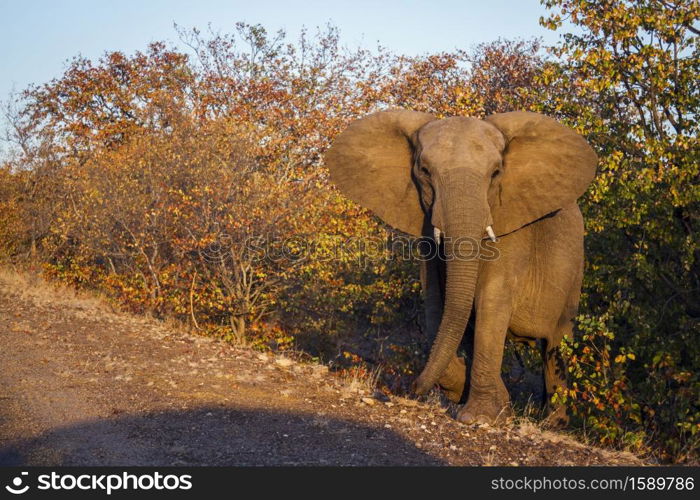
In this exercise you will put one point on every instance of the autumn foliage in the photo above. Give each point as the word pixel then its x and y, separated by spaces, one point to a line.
pixel 189 183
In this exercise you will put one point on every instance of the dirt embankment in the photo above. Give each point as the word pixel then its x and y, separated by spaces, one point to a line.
pixel 83 385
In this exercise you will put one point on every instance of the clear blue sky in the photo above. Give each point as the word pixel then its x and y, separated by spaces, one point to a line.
pixel 38 36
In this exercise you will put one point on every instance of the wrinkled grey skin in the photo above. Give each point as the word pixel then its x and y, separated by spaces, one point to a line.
pixel 517 174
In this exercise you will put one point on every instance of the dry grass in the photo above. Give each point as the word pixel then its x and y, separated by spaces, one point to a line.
pixel 530 423
pixel 359 382
pixel 32 286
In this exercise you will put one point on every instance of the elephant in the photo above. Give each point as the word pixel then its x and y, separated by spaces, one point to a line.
pixel 510 182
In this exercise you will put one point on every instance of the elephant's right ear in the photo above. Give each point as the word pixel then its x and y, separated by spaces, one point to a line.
pixel 371 163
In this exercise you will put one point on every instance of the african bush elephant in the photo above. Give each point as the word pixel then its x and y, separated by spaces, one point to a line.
pixel 512 178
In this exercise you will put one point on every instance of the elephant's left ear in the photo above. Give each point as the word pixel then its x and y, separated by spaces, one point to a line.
pixel 546 166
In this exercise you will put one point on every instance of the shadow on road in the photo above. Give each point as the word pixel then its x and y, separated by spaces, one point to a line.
pixel 216 436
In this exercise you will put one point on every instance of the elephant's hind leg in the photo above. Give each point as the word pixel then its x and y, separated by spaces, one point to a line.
pixel 554 380
pixel 555 365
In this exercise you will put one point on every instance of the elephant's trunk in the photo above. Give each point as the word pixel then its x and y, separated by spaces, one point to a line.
pixel 464 220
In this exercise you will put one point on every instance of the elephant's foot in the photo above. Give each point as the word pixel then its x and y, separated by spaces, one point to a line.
pixel 453 379
pixel 492 407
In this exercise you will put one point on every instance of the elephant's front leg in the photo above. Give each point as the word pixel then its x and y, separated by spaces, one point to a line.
pixel 488 400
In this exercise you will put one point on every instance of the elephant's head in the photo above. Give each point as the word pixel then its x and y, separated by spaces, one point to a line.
pixel 470 178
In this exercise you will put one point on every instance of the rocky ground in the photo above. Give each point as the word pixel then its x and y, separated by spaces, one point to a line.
pixel 81 384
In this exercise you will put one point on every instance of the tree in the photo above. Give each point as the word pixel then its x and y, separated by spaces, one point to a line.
pixel 628 79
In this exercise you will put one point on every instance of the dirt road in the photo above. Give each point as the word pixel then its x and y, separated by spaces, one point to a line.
pixel 83 385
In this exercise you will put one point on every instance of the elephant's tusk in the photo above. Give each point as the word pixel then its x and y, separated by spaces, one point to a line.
pixel 437 234
pixel 492 235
